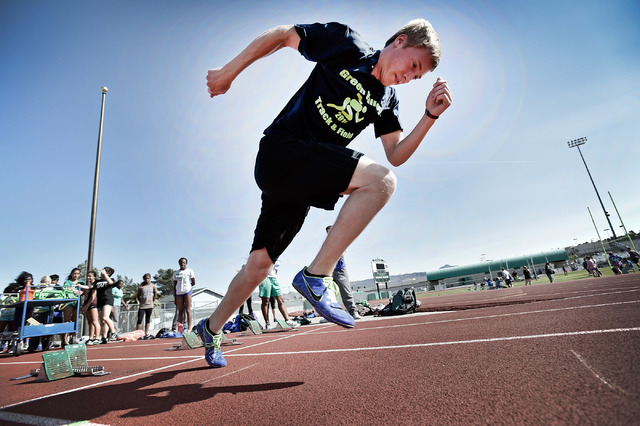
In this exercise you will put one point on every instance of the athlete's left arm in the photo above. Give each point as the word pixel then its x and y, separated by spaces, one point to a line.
pixel 399 149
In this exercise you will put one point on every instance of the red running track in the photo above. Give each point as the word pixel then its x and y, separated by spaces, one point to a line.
pixel 564 353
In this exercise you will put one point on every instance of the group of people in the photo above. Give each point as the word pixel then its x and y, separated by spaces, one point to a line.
pixel 507 278
pixel 101 299
pixel 591 266
pixel 619 264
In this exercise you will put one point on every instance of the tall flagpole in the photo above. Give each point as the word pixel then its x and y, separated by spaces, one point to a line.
pixel 94 207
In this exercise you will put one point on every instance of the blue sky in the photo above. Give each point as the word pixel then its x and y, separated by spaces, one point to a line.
pixel 494 177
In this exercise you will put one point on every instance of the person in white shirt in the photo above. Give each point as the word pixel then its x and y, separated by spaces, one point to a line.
pixel 508 279
pixel 184 280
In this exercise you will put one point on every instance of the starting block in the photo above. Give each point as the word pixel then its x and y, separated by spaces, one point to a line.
pixel 62 364
pixel 190 340
pixel 280 326
pixel 254 326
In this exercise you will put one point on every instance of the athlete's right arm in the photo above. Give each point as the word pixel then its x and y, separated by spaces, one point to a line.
pixel 219 79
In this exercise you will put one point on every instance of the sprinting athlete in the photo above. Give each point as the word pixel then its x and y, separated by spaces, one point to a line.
pixel 303 159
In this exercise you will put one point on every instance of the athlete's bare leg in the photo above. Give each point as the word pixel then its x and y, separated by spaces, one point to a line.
pixel 369 190
pixel 264 307
pixel 282 308
pixel 243 284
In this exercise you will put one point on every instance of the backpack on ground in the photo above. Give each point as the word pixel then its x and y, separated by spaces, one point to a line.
pixel 403 302
pixel 243 321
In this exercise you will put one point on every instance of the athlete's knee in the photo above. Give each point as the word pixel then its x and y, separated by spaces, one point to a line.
pixel 258 266
pixel 389 182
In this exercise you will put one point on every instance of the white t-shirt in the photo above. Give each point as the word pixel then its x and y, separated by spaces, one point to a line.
pixel 183 278
pixel 274 271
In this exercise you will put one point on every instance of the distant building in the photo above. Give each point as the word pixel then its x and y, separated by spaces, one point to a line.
pixel 201 298
pixel 477 272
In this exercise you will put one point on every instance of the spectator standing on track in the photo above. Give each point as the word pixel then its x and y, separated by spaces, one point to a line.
pixel 90 309
pixel 303 159
pixel 117 302
pixel 184 280
pixel 341 278
pixel 527 275
pixel 147 294
pixel 105 303
pixel 549 271
pixel 69 311
pixel 506 276
pixel 270 288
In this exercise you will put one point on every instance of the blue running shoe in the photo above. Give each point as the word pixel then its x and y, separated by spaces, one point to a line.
pixel 315 291
pixel 212 354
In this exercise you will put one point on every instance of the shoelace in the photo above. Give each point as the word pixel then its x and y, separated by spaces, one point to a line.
pixel 215 343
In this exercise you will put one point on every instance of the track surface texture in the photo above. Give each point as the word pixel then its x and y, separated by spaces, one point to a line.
pixel 566 353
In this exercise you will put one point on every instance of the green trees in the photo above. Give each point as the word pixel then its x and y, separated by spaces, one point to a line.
pixel 164 281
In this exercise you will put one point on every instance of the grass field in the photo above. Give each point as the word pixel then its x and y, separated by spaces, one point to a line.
pixel 542 279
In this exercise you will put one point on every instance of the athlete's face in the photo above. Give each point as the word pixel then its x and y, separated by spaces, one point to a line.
pixel 402 64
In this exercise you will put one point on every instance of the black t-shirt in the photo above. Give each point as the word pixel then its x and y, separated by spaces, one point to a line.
pixel 103 292
pixel 341 97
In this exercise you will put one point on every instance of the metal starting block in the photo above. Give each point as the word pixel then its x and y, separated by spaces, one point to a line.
pixel 62 364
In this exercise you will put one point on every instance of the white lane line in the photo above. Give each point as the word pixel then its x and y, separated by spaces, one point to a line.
pixel 187 357
pixel 482 317
pixel 230 373
pixel 289 336
pixel 318 331
pixel 599 377
pixel 457 342
pixel 28 419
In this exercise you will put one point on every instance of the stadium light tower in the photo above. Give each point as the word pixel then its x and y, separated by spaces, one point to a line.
pixel 576 144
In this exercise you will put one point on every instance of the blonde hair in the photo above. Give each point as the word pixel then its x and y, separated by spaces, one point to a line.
pixel 420 33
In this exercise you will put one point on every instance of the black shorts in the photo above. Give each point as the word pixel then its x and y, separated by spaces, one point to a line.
pixel 102 302
pixel 146 314
pixel 295 174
